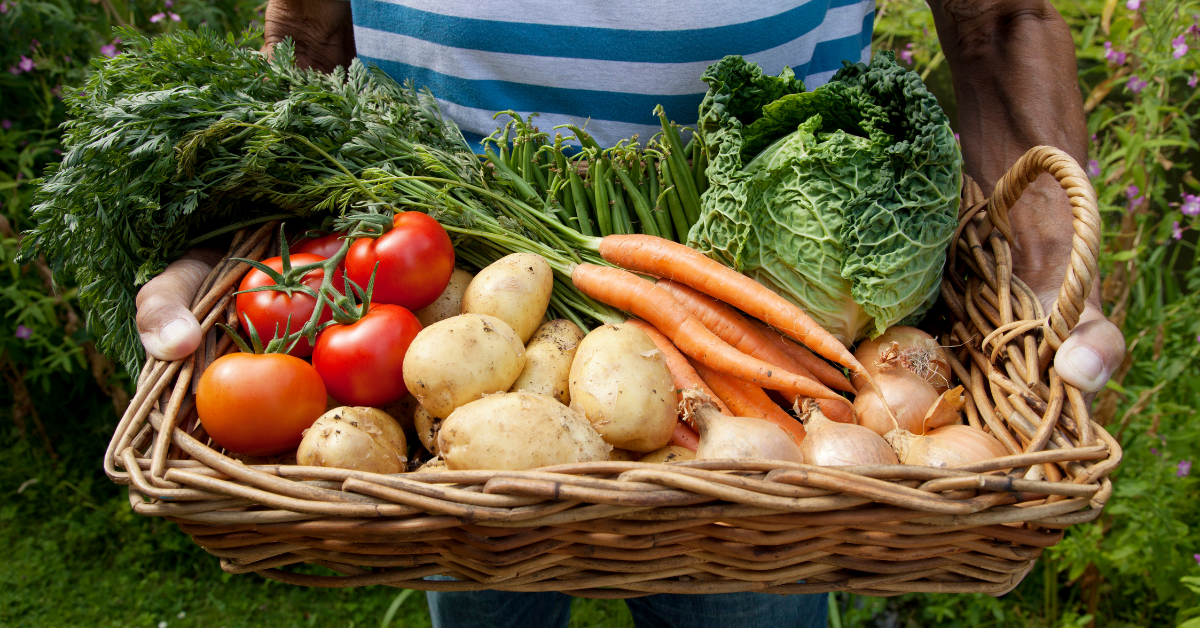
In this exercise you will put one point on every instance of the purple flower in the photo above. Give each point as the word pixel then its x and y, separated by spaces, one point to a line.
pixel 23 332
pixel 57 91
pixel 906 55
pixel 5 124
pixel 956 138
pixel 3 7
pixel 1154 451
pixel 1133 5
pixel 1136 84
pixel 1192 81
pixel 169 3
pixel 14 70
pixel 1179 46
pixel 33 46
pixel 66 58
pixel 1176 231
pixel 26 64
pixel 157 17
pixel 1114 57
pixel 58 151
pixel 1093 168
pixel 1191 205
pixel 1183 468
pixel 108 50
pixel 1197 557
pixel 174 16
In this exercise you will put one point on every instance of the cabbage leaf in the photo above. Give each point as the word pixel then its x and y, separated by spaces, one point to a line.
pixel 843 199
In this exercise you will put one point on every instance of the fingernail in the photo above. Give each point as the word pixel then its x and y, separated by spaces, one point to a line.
pixel 1087 363
pixel 173 333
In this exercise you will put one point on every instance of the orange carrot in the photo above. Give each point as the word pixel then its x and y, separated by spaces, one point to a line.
pixel 685 436
pixel 670 260
pixel 685 376
pixel 750 401
pixel 626 291
pixel 732 327
pixel 820 369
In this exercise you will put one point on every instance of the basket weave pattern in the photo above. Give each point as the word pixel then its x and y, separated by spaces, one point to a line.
pixel 625 529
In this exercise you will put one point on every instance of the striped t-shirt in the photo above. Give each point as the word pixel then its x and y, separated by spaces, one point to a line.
pixel 603 62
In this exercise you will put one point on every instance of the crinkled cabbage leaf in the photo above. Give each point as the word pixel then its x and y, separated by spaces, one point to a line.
pixel 843 199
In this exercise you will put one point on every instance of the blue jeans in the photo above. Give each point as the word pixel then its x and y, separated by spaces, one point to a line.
pixel 501 609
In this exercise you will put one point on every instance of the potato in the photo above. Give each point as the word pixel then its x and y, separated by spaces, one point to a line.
pixel 620 382
pixel 670 453
pixel 427 428
pixel 449 303
pixel 515 289
pixel 354 437
pixel 403 410
pixel 623 455
pixel 548 357
pixel 458 360
pixel 517 431
pixel 432 465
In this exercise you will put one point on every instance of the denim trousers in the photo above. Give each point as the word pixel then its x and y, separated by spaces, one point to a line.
pixel 502 609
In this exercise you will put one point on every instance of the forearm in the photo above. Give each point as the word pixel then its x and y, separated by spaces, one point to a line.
pixel 322 30
pixel 1014 72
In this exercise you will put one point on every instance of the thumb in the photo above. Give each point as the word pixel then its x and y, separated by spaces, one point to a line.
pixel 1091 353
pixel 168 329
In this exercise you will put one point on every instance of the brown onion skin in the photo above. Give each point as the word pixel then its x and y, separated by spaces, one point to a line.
pixel 946 447
pixel 832 444
pixel 869 353
pixel 907 396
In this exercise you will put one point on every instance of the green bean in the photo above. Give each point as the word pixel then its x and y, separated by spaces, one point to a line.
pixel 648 224
pixel 580 198
pixel 603 214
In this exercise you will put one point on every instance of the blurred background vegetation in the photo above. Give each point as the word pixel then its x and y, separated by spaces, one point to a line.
pixel 74 554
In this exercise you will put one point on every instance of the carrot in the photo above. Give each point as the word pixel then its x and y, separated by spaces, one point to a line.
pixel 670 260
pixel 685 376
pixel 626 291
pixel 750 401
pixel 733 328
pixel 820 369
pixel 685 436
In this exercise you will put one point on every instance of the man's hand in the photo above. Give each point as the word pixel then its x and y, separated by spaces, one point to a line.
pixel 164 320
pixel 322 30
pixel 1015 82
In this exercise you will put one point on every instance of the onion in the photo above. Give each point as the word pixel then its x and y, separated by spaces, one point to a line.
pixel 735 437
pixel 832 444
pixel 915 350
pixel 950 446
pixel 895 398
pixel 354 437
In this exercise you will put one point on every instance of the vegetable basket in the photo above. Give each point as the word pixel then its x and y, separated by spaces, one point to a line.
pixel 627 529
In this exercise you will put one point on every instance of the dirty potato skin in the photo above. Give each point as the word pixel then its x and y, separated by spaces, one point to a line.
pixel 354 437
pixel 427 428
pixel 620 382
pixel 449 303
pixel 458 360
pixel 670 453
pixel 515 288
pixel 517 431
pixel 548 357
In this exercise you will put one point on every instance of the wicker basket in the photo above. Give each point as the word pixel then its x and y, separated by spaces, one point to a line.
pixel 627 529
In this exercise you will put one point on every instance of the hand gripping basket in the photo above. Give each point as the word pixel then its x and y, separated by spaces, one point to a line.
pixel 626 529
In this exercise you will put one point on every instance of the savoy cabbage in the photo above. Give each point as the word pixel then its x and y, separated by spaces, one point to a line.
pixel 843 199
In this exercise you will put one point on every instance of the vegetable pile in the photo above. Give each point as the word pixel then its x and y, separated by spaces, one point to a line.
pixel 535 305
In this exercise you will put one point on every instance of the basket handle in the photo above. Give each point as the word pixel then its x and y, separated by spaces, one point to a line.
pixel 1085 244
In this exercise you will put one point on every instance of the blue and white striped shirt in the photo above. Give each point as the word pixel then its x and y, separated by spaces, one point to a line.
pixel 603 62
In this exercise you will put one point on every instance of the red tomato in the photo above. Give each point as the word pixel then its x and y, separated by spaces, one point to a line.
pixel 325 246
pixel 362 364
pixel 269 309
pixel 259 405
pixel 415 259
